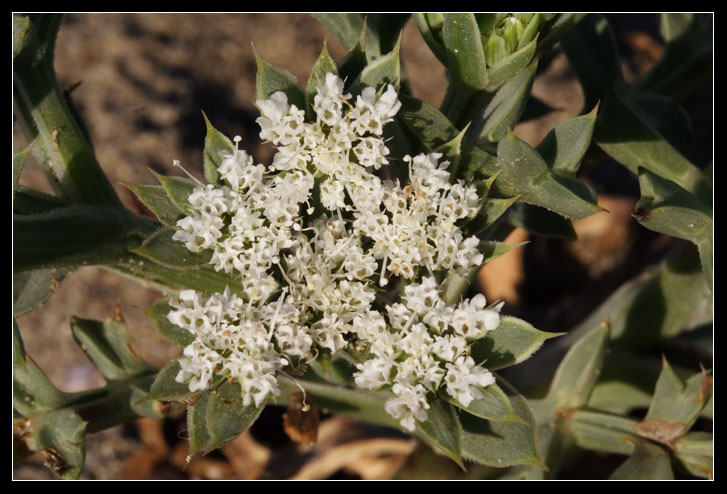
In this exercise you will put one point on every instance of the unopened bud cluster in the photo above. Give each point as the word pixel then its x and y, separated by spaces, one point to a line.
pixel 313 238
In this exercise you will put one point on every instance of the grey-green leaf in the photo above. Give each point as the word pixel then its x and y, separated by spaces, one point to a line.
pixel 493 405
pixel 166 388
pixel 666 208
pixel 271 79
pixel 525 173
pixel 156 198
pixel 382 71
pixel 463 46
pixel 162 248
pixel 540 221
pixel 75 235
pixel 695 451
pixel 600 431
pixel 687 60
pixel 506 107
pixel 216 145
pixel 323 65
pixel 110 348
pixel 197 428
pixel 578 371
pixel 61 435
pixel 511 65
pixel 563 147
pixel 676 401
pixel 648 462
pixel 443 430
pixel 18 163
pixel 629 139
pixel 501 444
pixel 434 130
pixel 591 50
pixel 178 189
pixel 512 342
pixel 227 417
pixel 158 315
pixel 32 288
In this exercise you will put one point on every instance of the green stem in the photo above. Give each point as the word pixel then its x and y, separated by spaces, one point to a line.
pixel 41 108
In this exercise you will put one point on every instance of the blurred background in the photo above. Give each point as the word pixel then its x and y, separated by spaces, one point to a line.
pixel 144 81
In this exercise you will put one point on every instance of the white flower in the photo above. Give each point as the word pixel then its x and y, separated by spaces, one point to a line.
pixel 308 267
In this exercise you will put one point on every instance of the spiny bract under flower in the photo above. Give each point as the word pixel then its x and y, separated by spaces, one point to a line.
pixel 313 238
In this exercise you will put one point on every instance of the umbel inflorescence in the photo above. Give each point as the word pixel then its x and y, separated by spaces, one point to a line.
pixel 313 239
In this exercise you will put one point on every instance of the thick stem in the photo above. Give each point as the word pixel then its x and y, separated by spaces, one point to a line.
pixel 66 153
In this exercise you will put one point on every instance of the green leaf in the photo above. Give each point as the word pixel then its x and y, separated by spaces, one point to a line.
pixel 322 66
pixel 492 250
pixel 554 26
pixel 170 281
pixel 666 117
pixel 139 402
pixel 525 173
pixel 271 79
pixel 60 435
pixel 511 65
pixel 32 288
pixel 648 462
pixel 539 221
pixel 512 342
pixel 156 198
pixel 178 189
pixel 226 416
pixel 199 434
pixel 506 107
pixel 431 35
pixel 687 59
pixel 501 444
pixel 434 130
pixel 29 201
pixel 600 431
pixel 33 392
pixel 333 369
pixel 676 405
pixel 158 315
pixel 215 145
pixel 110 348
pixel 629 139
pixel 666 208
pixel 18 163
pixel 492 210
pixel 74 236
pixel 18 347
pixel 591 50
pixel 382 71
pixel 563 147
pixel 443 430
pixel 380 31
pixel 494 405
pixel 658 305
pixel 578 371
pixel 695 452
pixel 346 27
pixel 465 56
pixel 354 62
pixel 162 248
pixel 166 388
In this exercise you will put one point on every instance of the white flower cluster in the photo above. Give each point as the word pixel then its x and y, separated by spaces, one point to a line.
pixel 313 238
